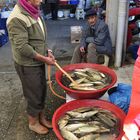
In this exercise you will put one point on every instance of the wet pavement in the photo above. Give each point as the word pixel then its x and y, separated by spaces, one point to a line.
pixel 13 116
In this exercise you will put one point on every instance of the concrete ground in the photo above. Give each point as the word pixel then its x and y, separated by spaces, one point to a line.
pixel 13 116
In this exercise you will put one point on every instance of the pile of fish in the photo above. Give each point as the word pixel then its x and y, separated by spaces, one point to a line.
pixel 87 79
pixel 89 123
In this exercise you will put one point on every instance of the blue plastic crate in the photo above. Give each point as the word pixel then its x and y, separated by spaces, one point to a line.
pixel 133 49
pixel 3 39
pixel 3 23
pixel 74 2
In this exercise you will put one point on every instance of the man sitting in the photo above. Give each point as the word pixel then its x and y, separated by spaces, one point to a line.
pixel 95 40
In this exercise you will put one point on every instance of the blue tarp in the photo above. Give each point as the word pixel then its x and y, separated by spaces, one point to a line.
pixel 121 96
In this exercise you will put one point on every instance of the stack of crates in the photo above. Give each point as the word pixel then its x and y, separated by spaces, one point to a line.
pixel 3 32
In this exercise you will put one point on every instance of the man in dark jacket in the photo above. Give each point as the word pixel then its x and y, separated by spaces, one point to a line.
pixel 96 40
pixel 54 8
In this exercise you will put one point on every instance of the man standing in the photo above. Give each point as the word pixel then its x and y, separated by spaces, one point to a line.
pixel 54 8
pixel 27 34
pixel 95 40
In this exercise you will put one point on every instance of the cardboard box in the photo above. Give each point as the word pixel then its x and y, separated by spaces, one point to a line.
pixel 76 34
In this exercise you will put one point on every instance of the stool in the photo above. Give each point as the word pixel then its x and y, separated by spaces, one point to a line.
pixel 106 59
pixel 80 13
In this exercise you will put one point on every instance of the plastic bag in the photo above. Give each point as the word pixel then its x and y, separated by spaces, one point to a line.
pixel 121 96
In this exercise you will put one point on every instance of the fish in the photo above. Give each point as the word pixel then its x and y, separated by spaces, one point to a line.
pixel 89 114
pixel 87 79
pixel 102 75
pixel 84 88
pixel 74 114
pixel 83 85
pixel 80 74
pixel 82 109
pixel 87 129
pixel 68 135
pixel 77 81
pixel 73 127
pixel 89 123
pixel 90 137
pixel 106 120
pixel 63 121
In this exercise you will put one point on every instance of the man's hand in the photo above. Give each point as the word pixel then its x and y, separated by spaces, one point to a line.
pixel 51 55
pixel 50 60
pixel 82 49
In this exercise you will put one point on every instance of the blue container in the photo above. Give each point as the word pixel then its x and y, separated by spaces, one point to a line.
pixel 3 23
pixel 3 39
pixel 74 2
pixel 133 50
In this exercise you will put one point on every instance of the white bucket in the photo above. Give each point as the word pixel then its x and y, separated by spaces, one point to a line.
pixel 60 14
pixel 81 4
pixel 88 4
pixel 66 13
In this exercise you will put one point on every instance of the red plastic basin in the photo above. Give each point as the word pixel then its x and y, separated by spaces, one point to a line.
pixel 87 103
pixel 77 94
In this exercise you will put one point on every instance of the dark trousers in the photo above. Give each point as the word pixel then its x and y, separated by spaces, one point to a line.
pixel 54 9
pixel 34 87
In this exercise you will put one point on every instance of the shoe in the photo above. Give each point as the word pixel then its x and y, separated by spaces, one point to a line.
pixel 46 123
pixel 43 121
pixel 38 128
pixel 35 126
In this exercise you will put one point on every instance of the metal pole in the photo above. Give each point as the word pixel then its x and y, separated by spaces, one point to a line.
pixel 122 14
pixel 112 19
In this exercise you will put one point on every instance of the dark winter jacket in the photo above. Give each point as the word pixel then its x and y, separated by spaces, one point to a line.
pixel 99 35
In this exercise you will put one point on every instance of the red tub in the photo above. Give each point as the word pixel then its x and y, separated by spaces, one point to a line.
pixel 77 94
pixel 87 103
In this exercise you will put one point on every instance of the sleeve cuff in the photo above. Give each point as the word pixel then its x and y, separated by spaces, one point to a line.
pixel 49 50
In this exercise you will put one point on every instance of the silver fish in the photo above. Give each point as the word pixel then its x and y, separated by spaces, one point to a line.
pixel 84 88
pixel 73 127
pixel 87 129
pixel 74 114
pixel 63 121
pixel 68 135
pixel 89 114
pixel 82 109
pixel 90 137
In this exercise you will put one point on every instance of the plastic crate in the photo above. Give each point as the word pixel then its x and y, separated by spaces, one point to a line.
pixel 74 2
pixel 3 39
pixel 3 23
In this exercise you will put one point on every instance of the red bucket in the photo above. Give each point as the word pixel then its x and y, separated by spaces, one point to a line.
pixel 77 94
pixel 87 103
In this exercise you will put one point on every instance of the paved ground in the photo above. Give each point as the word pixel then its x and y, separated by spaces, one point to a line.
pixel 13 119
